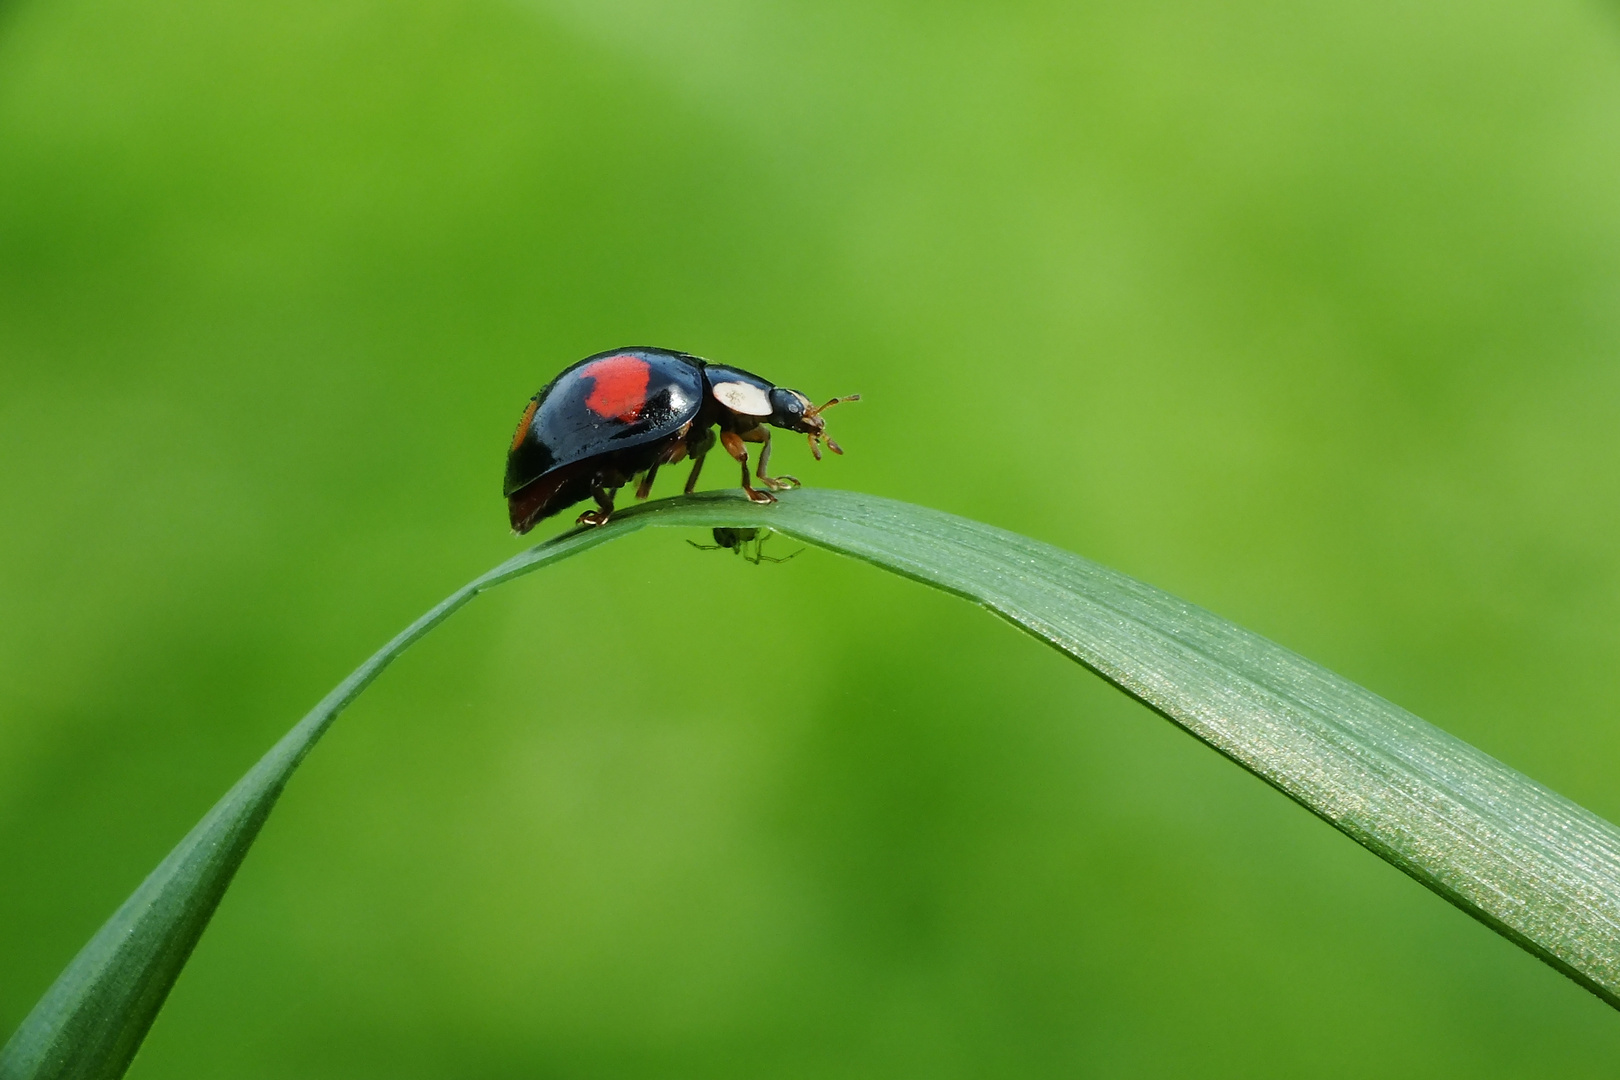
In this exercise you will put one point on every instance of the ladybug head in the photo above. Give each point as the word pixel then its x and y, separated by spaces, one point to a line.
pixel 792 411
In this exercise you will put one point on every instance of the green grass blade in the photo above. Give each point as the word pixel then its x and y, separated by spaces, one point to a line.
pixel 92 1020
pixel 1520 858
pixel 1514 854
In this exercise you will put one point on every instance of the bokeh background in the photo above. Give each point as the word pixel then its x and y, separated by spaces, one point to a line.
pixel 1308 312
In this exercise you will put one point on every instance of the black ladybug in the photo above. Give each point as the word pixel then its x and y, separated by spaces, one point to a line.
pixel 625 412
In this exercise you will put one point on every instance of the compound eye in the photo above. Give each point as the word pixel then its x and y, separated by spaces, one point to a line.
pixel 788 405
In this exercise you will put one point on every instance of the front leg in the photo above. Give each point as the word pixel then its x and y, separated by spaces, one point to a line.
pixel 762 434
pixel 734 446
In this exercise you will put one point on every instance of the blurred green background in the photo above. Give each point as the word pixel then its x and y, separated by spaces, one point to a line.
pixel 1309 313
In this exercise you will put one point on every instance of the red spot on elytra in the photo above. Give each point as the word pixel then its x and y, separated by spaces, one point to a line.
pixel 621 387
pixel 523 424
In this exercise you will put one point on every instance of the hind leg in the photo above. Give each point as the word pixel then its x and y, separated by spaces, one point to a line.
pixel 604 502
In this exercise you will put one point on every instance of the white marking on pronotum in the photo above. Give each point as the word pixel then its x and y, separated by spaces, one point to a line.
pixel 742 397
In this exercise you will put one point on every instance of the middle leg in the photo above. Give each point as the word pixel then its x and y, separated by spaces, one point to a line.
pixel 671 454
pixel 645 488
pixel 697 445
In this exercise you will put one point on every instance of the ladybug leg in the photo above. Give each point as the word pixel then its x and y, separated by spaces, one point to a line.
pixel 734 446
pixel 645 488
pixel 696 445
pixel 675 452
pixel 762 434
pixel 604 500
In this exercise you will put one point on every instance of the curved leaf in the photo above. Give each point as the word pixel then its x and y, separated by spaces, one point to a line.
pixel 1525 861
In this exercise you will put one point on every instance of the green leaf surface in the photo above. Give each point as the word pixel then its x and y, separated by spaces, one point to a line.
pixel 1515 855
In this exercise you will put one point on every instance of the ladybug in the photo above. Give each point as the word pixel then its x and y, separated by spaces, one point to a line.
pixel 626 412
